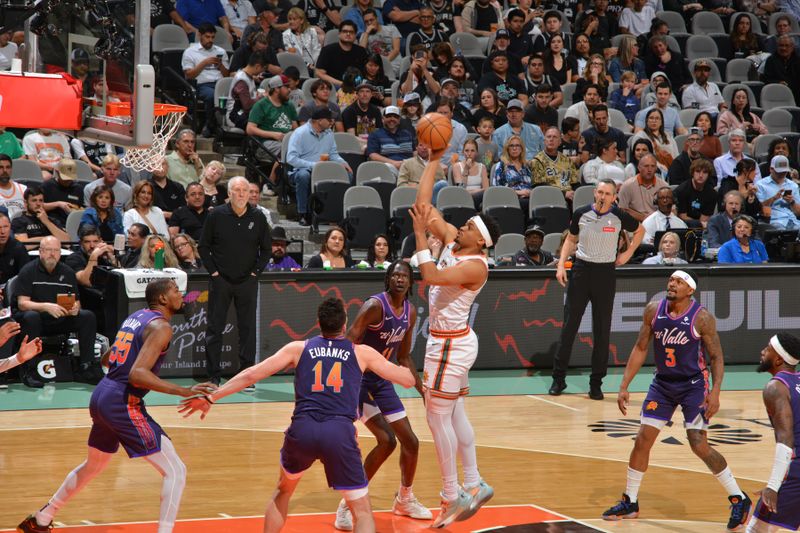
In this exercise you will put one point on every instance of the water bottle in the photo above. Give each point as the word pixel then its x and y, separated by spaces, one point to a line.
pixel 327 265
pixel 703 246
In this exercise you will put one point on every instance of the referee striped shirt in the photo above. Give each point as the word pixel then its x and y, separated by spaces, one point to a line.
pixel 598 233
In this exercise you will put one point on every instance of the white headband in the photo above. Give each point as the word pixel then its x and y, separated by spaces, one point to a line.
pixel 685 277
pixel 776 345
pixel 483 229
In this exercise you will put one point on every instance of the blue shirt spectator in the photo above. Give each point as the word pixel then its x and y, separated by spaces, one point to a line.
pixel 629 105
pixel 404 27
pixel 197 12
pixel 390 144
pixel 615 69
pixel 731 252
pixel 356 15
pixel 531 135
pixel 780 194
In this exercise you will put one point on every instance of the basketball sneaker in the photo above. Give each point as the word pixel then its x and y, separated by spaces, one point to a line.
pixel 625 508
pixel 481 494
pixel 29 525
pixel 740 511
pixel 452 509
pixel 344 518
pixel 411 507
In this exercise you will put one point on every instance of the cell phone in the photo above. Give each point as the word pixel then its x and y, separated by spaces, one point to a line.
pixel 787 193
pixel 219 56
pixel 419 54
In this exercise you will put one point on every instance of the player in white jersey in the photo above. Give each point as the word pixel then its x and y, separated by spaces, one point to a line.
pixel 452 346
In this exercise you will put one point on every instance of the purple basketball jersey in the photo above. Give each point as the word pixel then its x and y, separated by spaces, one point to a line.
pixel 126 347
pixel 387 336
pixel 678 348
pixel 327 380
pixel 792 382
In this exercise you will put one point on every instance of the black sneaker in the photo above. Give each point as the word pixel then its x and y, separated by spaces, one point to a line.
pixel 596 392
pixel 29 525
pixel 30 380
pixel 558 386
pixel 624 508
pixel 740 511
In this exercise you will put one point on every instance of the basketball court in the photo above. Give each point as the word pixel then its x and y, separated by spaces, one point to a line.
pixel 556 463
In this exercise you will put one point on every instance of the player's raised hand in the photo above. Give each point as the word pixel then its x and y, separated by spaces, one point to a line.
pixel 204 388
pixel 623 398
pixel 8 330
pixel 711 404
pixel 419 216
pixel 191 404
pixel 29 350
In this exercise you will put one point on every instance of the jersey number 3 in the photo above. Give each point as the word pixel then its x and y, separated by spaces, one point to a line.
pixel 121 347
pixel 670 362
pixel 334 379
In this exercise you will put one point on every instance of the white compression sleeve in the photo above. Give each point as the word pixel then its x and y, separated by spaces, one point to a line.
pixel 466 444
pixel 170 466
pixel 440 420
pixel 783 457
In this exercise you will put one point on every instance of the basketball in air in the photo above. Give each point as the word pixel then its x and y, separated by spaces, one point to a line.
pixel 434 131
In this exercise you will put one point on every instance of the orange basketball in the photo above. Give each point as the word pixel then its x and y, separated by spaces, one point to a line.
pixel 434 131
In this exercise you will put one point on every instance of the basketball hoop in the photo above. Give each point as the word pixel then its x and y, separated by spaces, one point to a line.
pixel 166 120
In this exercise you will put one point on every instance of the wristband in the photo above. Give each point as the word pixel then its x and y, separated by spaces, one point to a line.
pixel 783 457
pixel 424 256
pixel 207 397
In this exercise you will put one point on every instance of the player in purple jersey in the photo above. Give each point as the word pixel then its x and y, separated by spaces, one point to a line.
pixel 683 332
pixel 118 412
pixel 386 323
pixel 779 506
pixel 327 386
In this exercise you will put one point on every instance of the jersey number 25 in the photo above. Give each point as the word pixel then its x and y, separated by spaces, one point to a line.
pixel 120 348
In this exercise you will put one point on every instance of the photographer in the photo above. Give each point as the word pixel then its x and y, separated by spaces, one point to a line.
pixel 419 78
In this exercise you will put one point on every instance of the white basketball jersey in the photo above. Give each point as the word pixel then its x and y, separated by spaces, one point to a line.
pixel 450 304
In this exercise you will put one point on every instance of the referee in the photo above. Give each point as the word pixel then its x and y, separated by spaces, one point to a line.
pixel 595 231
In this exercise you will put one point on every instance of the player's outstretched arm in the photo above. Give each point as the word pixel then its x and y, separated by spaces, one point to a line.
pixel 371 312
pixel 434 221
pixel 706 326
pixel 779 408
pixel 404 354
pixel 27 351
pixel 637 357
pixel 370 359
pixel 286 357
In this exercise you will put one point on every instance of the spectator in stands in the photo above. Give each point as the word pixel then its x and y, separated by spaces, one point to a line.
pixel 92 252
pixel 411 172
pixel 240 14
pixel 594 74
pixel 379 252
pixel 783 66
pixel 555 60
pixel 10 145
pixel 679 169
pixel 390 144
pixel 535 78
pixel 720 226
pixel 301 38
pixel 607 23
pixel 320 93
pixel 191 217
pixel 91 153
pixel 185 166
pixel 280 260
pixel 445 106
pixel 306 147
pixel 335 58
pixel 649 94
pixel 481 18
pixel 636 19
pixel 628 60
pixel 507 86
pixel 359 11
pixel 46 148
pixel 664 146
pixel 273 117
pixel 743 182
pixel 739 116
pixel 551 167
pixel 381 86
pixel 62 194
pixel 362 117
pixel 488 151
pixel 136 235
pixel 606 165
pixel 102 215
pixel 244 91
pixel 783 26
pixel 662 218
pixel 639 149
pixel 34 224
pixel 703 94
pixel 687 8
pixel 744 42
pixel 253 195
pixel 668 248
pixel 458 70
pixel 490 106
pixel 8 49
pixel 742 248
pixel 513 171
pixel 532 254
pixel 580 57
pixel 378 39
pixel 624 99
pixel 710 146
pixel 419 77
pixel 215 194
pixel 426 34
pixel 143 211
pixel 671 63
pixel 552 26
pixel 268 42
pixel 670 115
pixel 461 114
pixel 198 13
pixel 519 40
pixel 39 287
pixel 168 195
pixel 571 141
pixel 206 63
pixel 333 253
pixel 322 15
pixel 471 173
pixel 779 146
pixel 530 133
pixel 12 199
pixel 540 112
pixel 780 194
pixel 696 197
pixel 148 256
pixel 187 253
pixel 601 130
pixel 725 164
pixel 638 195
pixel 410 244
pixel 13 255
pixel 404 14
pixel 581 110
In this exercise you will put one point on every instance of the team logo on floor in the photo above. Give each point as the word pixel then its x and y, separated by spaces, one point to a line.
pixel 717 433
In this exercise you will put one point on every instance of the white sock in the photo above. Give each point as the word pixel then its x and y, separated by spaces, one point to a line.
pixel 96 462
pixel 440 420
pixel 727 480
pixel 405 493
pixel 466 445
pixel 170 466
pixel 634 482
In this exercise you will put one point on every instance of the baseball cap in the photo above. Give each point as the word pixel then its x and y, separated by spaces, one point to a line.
pixel 277 81
pixel 502 33
pixel 68 169
pixel 448 80
pixel 321 112
pixel 780 163
pixel 365 85
pixel 497 53
pixel 79 55
pixel 391 110
pixel 534 229
pixel 694 130
pixel 515 103
pixel 411 98
pixel 738 132
pixel 702 63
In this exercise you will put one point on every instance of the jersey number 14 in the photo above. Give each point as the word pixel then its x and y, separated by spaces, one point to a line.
pixel 334 379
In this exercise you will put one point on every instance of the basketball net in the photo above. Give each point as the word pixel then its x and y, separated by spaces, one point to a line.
pixel 166 121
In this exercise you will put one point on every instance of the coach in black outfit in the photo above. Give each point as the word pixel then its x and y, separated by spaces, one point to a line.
pixel 235 248
pixel 595 231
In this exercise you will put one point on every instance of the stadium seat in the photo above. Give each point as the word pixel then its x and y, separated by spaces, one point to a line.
pixel 364 216
pixel 26 171
pixel 738 70
pixel 329 181
pixel 331 36
pixel 551 242
pixel 701 46
pixel 617 120
pixel 456 205
pixel 400 202
pixel 350 148
pixel 168 37
pixel 223 88
pixel 773 19
pixel 687 116
pixel 287 59
pixel 776 95
pixel 680 141
pixel 568 90
pixel 584 195
pixel 681 39
pixel 724 47
pixel 502 204
pixel 73 223
pixel 468 44
pixel 85 172
pixel 378 176
pixel 223 39
pixel 761 146
pixel 388 69
pixel 777 120
pixel 674 20
pixel 548 209
pixel 508 245
pixel 705 22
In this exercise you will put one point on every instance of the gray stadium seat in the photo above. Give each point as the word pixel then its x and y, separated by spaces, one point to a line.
pixel 777 120
pixel 363 215
pixel 673 19
pixel 761 146
pixel 701 46
pixel 738 70
pixel 705 22
pixel 329 181
pixel 169 37
pixel 776 95
pixel 584 195
pixel 502 204
pixel 331 36
pixel 73 223
pixel 687 116
pixel 508 245
pixel 378 176
pixel 350 149
pixel 223 88
pixel 468 44
pixel 617 120
pixel 568 90
pixel 680 140
pixel 401 200
pixel 456 205
pixel 223 39
pixel 287 59
pixel 551 242
pixel 548 209
pixel 25 170
pixel 85 172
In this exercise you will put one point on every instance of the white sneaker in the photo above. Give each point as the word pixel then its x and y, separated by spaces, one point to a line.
pixel 266 191
pixel 411 508
pixel 344 519
pixel 452 509
pixel 480 495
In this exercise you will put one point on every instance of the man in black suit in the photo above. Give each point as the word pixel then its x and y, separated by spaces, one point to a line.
pixel 720 226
